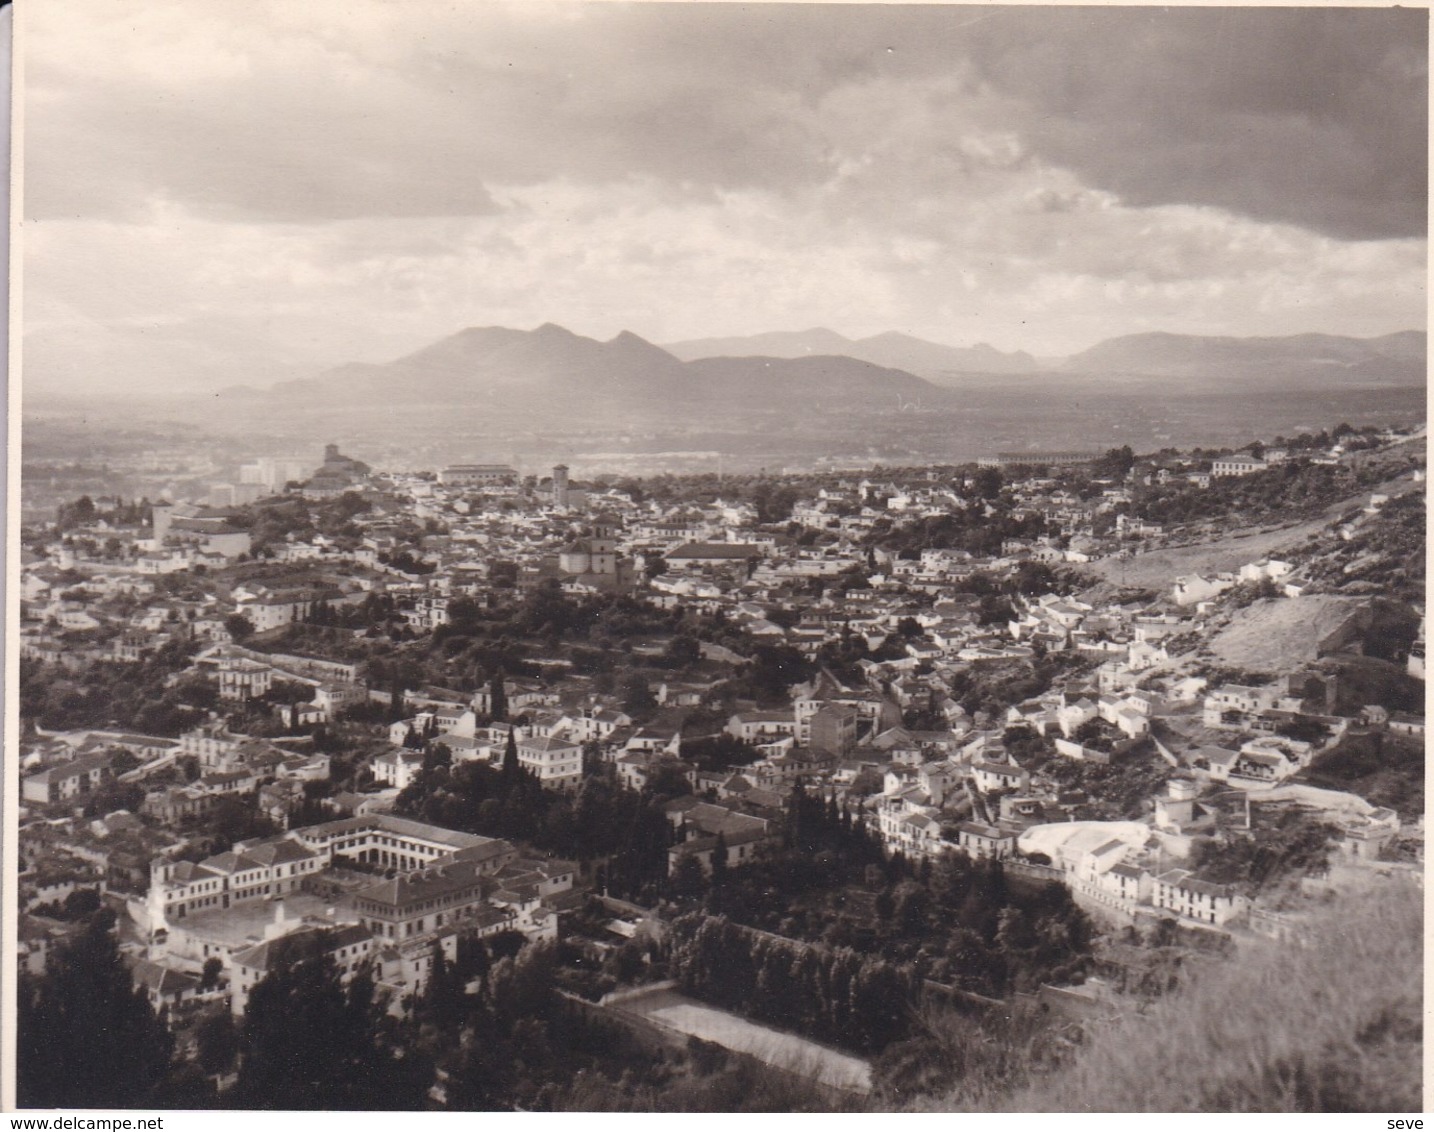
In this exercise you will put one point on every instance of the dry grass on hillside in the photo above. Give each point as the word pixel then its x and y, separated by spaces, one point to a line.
pixel 1332 1026
pixel 1157 569
pixel 1230 549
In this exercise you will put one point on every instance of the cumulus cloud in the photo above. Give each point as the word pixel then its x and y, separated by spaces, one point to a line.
pixel 1310 116
pixel 1306 116
pixel 246 191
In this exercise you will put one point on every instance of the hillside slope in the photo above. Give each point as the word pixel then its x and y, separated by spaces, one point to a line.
pixel 1306 534
pixel 1273 635
pixel 1332 1026
pixel 1156 569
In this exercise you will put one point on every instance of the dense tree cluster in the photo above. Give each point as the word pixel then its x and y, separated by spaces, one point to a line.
pixel 77 905
pixel 86 1037
pixel 1384 556
pixel 230 819
pixel 1293 845
pixel 1115 464
pixel 273 521
pixel 490 1025
pixel 955 920
pixel 504 1035
pixel 134 697
pixel 991 688
pixel 968 528
pixel 594 631
pixel 113 511
pixel 823 847
pixel 1385 769
pixel 967 925
pixel 624 831
pixel 837 995
pixel 310 1042
pixel 1293 488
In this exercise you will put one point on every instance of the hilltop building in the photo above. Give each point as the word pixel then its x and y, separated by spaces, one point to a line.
pixel 338 473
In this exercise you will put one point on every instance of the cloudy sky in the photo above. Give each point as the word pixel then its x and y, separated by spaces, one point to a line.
pixel 218 192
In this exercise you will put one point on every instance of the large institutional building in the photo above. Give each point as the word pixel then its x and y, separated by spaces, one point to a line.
pixel 478 475
pixel 1036 459
pixel 377 888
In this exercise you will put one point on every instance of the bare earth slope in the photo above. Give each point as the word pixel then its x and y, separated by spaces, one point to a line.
pixel 1270 636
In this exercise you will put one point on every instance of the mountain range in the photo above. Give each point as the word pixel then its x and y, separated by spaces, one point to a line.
pixel 1393 359
pixel 551 369
pixel 930 360
pixel 1317 359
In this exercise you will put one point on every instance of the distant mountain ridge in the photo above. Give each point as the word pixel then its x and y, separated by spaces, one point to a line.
pixel 931 360
pixel 1391 359
pixel 551 369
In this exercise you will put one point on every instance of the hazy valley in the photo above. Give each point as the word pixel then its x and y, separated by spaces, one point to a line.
pixel 626 405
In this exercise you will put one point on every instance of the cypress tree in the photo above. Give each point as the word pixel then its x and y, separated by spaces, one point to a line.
pixel 719 861
pixel 794 825
pixel 510 757
pixel 498 697
pixel 442 997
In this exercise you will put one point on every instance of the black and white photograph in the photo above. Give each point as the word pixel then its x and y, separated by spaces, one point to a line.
pixel 582 556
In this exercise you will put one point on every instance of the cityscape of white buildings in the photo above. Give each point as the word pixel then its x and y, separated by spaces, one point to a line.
pixel 96 593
